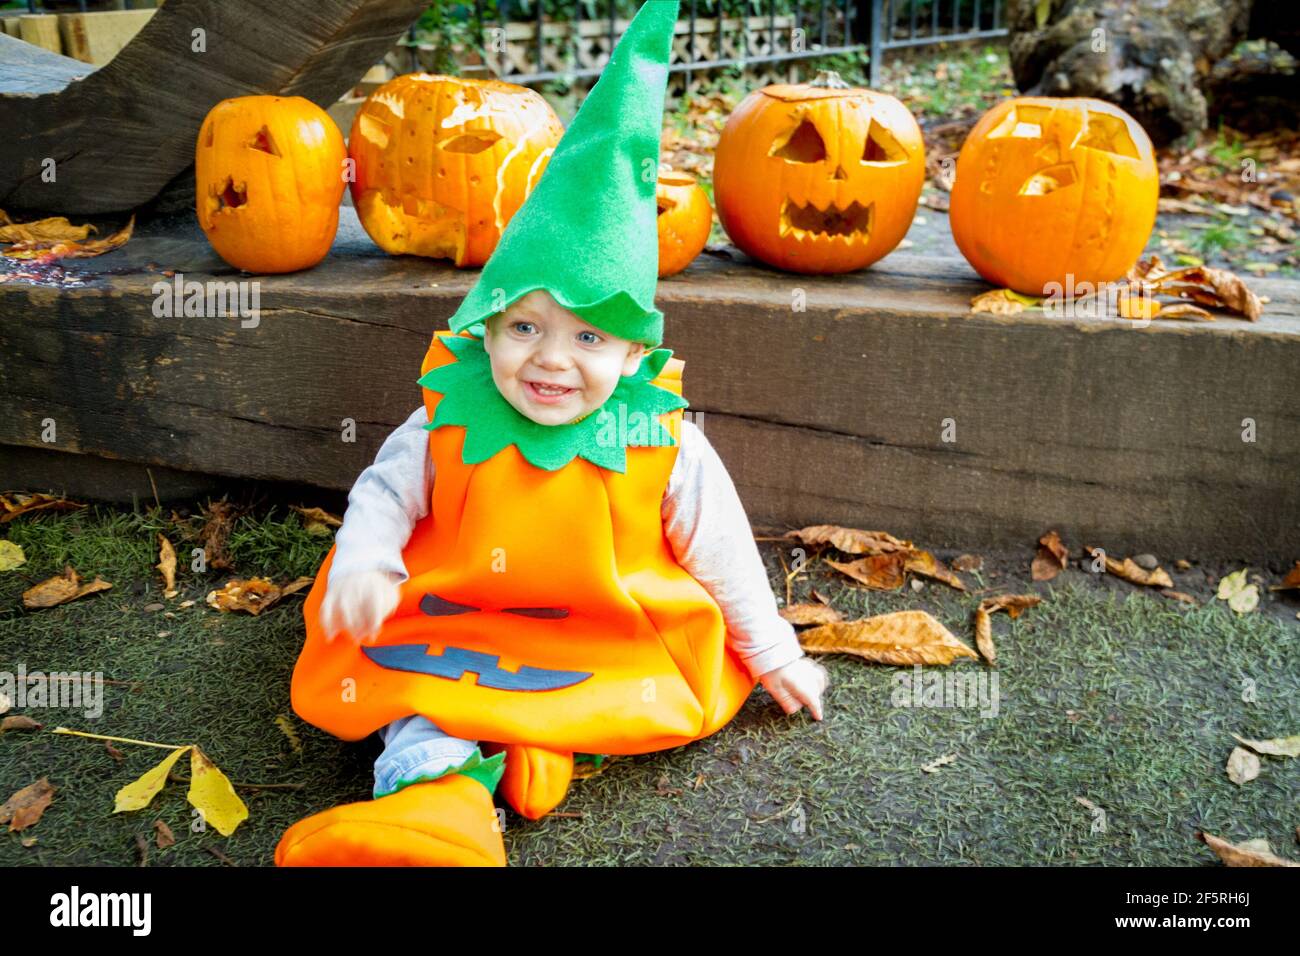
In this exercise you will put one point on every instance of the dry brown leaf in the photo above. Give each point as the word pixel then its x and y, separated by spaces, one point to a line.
pixel 1213 287
pixel 317 520
pixel 1289 583
pixel 1002 302
pixel 850 540
pixel 12 505
pixel 217 528
pixel 252 596
pixel 967 562
pixel 882 572
pixel 167 565
pixel 1243 766
pixel 163 835
pixel 1013 604
pixel 927 565
pixel 811 614
pixel 18 722
pixel 296 585
pixel 1178 596
pixel 51 230
pixel 1274 747
pixel 1133 573
pixel 984 635
pixel 902 637
pixel 934 765
pixel 1234 855
pixel 25 807
pixel 61 589
pixel 43 253
pixel 1185 310
pixel 818 596
pixel 1051 558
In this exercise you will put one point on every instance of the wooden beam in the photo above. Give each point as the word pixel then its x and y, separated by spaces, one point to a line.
pixel 118 136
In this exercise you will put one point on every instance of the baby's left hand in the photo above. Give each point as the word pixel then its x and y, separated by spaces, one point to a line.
pixel 798 683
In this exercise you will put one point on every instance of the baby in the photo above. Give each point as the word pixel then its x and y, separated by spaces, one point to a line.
pixel 513 572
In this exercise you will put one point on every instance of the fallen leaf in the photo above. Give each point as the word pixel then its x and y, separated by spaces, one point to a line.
pixel 287 728
pixel 252 596
pixel 167 565
pixel 927 565
pixel 901 637
pixel 967 562
pixel 61 589
pixel 1003 302
pixel 1241 855
pixel 296 585
pixel 984 635
pixel 11 555
pixel 43 253
pixel 317 520
pixel 882 572
pixel 1185 310
pixel 140 792
pixel 810 614
pixel 1273 747
pixel 1289 583
pixel 934 765
pixel 1243 766
pixel 163 835
pixel 1136 306
pixel 850 540
pixel 1129 570
pixel 19 722
pixel 1241 596
pixel 1178 596
pixel 25 807
pixel 216 530
pixel 211 792
pixel 113 751
pixel 53 229
pixel 1213 287
pixel 1051 559
pixel 1013 604
pixel 12 505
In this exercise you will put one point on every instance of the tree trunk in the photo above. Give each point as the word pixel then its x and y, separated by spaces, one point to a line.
pixel 1150 57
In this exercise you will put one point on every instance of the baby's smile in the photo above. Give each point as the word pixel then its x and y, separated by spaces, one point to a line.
pixel 547 393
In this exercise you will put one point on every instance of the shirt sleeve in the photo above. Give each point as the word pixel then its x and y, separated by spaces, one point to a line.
pixel 387 500
pixel 712 539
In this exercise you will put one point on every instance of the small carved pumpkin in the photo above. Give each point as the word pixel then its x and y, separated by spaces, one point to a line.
pixel 443 163
pixel 685 218
pixel 1048 188
pixel 818 177
pixel 269 176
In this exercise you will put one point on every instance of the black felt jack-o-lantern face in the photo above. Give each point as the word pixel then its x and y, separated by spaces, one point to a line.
pixel 1054 190
pixel 818 178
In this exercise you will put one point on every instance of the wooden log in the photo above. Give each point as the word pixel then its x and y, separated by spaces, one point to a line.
pixel 122 133
pixel 883 403
pixel 98 37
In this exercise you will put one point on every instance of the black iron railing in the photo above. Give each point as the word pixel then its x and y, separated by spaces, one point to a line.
pixel 896 24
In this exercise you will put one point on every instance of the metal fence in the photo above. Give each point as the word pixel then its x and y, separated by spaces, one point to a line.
pixel 897 24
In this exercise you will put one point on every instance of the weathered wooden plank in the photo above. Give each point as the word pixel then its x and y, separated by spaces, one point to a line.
pixel 882 403
pixel 118 136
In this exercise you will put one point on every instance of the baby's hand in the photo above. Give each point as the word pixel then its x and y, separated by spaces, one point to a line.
pixel 798 683
pixel 359 604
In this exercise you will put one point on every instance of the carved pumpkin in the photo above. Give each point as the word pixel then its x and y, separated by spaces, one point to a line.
pixel 1051 187
pixel 818 177
pixel 685 218
pixel 442 163
pixel 268 178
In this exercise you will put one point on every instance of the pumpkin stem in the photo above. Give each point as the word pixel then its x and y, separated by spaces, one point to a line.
pixel 829 80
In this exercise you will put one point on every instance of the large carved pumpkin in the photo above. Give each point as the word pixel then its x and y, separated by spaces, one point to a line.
pixel 268 178
pixel 442 163
pixel 685 219
pixel 1049 188
pixel 818 177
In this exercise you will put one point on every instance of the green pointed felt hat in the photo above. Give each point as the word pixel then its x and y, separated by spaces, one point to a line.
pixel 588 232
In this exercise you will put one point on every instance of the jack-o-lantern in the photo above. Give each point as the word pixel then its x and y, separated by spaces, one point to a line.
pixel 1052 188
pixel 442 163
pixel 268 178
pixel 685 218
pixel 818 177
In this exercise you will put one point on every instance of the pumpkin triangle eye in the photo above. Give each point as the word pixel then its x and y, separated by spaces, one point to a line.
pixel 881 146
pixel 1108 134
pixel 474 142
pixel 804 145
pixel 264 142
pixel 1024 122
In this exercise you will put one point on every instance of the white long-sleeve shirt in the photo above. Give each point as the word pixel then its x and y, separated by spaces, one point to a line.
pixel 704 521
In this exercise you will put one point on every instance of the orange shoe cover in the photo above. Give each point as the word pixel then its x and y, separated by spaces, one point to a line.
pixel 450 821
pixel 535 779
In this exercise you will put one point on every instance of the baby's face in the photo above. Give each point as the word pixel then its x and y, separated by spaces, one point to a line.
pixel 552 366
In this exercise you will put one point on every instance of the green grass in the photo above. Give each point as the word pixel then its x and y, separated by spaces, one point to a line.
pixel 1155 688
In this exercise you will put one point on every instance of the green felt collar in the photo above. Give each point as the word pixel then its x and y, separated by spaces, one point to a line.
pixel 630 417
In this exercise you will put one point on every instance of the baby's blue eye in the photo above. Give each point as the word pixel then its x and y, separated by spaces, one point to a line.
pixel 524 327
pixel 591 341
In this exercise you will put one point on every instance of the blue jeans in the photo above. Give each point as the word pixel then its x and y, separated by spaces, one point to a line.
pixel 415 747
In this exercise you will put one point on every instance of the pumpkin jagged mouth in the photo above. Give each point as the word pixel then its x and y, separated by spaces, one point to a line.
pixel 833 222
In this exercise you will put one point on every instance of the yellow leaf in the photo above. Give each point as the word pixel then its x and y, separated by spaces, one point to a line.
pixel 167 565
pixel 902 637
pixel 140 793
pixel 1275 747
pixel 11 555
pixel 212 793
